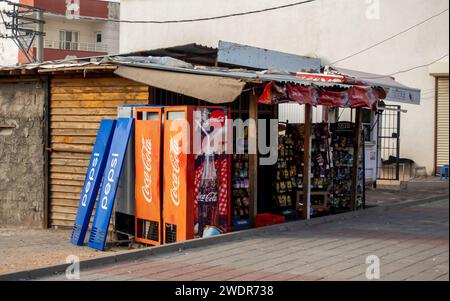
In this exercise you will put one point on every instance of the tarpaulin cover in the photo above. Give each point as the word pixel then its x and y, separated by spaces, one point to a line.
pixel 353 97
pixel 213 89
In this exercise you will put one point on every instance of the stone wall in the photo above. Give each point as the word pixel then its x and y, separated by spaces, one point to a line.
pixel 22 149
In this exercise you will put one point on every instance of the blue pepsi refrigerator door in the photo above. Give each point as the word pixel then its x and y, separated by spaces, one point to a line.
pixel 92 181
pixel 112 173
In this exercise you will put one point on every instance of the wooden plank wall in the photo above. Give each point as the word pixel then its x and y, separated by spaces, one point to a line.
pixel 77 105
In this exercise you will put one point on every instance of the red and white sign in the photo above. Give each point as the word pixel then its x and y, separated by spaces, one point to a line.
pixel 217 118
pixel 318 77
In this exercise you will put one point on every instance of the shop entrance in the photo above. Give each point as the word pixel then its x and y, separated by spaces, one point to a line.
pixel 388 143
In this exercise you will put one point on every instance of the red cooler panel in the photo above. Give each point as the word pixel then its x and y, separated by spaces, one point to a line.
pixel 178 170
pixel 148 127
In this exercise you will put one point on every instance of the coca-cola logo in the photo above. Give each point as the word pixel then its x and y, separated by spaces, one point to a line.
pixel 146 154
pixel 217 118
pixel 174 157
pixel 208 198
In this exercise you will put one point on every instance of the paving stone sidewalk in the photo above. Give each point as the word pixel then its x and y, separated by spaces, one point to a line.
pixel 22 249
pixel 417 189
pixel 27 249
pixel 412 243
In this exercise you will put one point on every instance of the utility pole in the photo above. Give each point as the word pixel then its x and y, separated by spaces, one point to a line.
pixel 40 38
pixel 25 29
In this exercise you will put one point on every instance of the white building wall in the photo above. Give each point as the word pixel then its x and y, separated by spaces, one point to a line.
pixel 295 113
pixel 110 32
pixel 110 36
pixel 328 29
pixel 88 28
pixel 87 31
pixel 8 50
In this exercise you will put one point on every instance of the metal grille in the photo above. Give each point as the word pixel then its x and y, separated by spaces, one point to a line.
pixel 442 123
pixel 76 232
pixel 93 234
pixel 147 229
pixel 96 236
pixel 389 143
pixel 171 233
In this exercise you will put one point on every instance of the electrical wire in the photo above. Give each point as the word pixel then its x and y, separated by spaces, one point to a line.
pixel 407 70
pixel 390 38
pixel 197 19
pixel 277 8
pixel 286 6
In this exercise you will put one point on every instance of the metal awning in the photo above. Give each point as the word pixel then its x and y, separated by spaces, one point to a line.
pixel 241 74
pixel 212 84
pixel 396 91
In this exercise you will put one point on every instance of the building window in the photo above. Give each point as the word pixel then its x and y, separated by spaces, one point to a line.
pixel 98 37
pixel 69 40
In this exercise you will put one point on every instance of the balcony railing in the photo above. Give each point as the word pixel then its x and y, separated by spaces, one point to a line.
pixel 65 45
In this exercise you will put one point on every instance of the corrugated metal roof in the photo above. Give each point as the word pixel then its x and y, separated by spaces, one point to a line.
pixel 191 53
pixel 245 75
pixel 198 59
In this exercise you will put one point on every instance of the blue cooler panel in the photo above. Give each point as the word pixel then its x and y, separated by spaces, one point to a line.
pixel 92 181
pixel 111 177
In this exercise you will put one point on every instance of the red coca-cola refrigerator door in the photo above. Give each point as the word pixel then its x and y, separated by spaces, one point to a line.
pixel 196 193
pixel 212 178
pixel 148 151
pixel 178 171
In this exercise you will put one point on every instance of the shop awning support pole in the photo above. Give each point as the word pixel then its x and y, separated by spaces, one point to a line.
pixel 253 158
pixel 356 163
pixel 325 113
pixel 307 163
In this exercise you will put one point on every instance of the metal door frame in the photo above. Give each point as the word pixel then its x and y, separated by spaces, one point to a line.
pixel 388 141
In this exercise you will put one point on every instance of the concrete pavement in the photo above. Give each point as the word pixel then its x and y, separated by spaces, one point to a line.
pixel 411 243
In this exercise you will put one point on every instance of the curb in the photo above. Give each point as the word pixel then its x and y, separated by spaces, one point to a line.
pixel 131 255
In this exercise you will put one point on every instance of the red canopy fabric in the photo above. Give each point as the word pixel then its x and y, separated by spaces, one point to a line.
pixel 353 97
pixel 303 94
